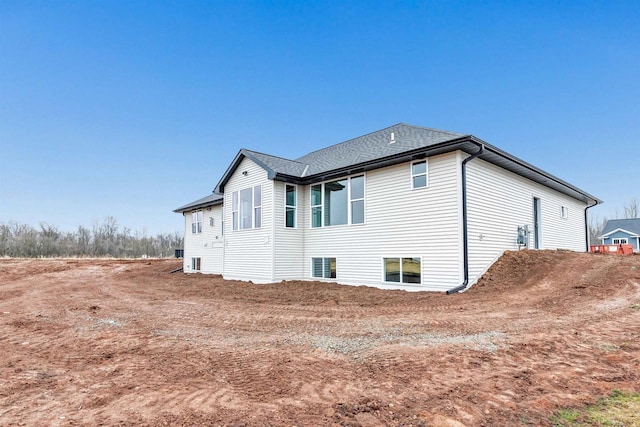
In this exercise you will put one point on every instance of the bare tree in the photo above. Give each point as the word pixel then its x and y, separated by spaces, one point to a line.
pixel 596 225
pixel 106 239
pixel 631 209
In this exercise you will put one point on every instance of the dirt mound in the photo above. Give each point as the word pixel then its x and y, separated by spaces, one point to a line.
pixel 121 342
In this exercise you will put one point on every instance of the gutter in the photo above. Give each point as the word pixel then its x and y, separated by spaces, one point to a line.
pixel 586 224
pixel 465 239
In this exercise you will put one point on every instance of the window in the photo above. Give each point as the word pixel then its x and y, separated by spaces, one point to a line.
pixel 234 210
pixel 419 174
pixel 196 222
pixel 338 202
pixel 323 268
pixel 257 203
pixel 316 205
pixel 335 202
pixel 357 199
pixel 290 206
pixel 246 208
pixel 620 241
pixel 402 270
pixel 195 264
pixel 564 212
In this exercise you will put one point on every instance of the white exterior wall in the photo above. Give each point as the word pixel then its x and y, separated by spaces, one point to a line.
pixel 399 222
pixel 249 253
pixel 498 201
pixel 288 255
pixel 208 245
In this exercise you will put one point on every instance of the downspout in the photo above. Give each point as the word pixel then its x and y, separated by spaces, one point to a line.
pixel 465 240
pixel 586 225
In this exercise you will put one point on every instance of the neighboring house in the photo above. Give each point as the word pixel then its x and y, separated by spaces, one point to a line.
pixel 622 231
pixel 405 207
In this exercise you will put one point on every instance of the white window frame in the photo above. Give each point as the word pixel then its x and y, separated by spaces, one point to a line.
pixel 425 174
pixel 349 202
pixel 564 212
pixel 324 260
pixel 196 263
pixel 320 206
pixel 196 222
pixel 293 207
pixel 400 283
pixel 619 241
pixel 352 200
pixel 235 212
pixel 255 210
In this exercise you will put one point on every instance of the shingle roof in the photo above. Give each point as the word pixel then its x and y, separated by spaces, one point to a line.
pixel 276 164
pixel 395 144
pixel 373 146
pixel 631 225
pixel 210 200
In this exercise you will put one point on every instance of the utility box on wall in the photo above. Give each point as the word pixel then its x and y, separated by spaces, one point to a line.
pixel 523 236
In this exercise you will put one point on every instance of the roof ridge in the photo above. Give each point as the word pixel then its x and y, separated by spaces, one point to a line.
pixel 426 128
pixel 271 155
pixel 348 140
pixel 380 130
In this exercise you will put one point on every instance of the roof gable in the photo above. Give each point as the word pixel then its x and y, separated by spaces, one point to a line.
pixel 396 144
pixel 630 226
pixel 394 140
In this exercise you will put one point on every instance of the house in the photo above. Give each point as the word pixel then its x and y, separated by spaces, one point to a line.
pixel 622 232
pixel 404 207
pixel 203 235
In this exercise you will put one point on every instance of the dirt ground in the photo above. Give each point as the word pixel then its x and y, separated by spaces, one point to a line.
pixel 122 342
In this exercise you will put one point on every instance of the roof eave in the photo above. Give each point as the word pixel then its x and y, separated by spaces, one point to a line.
pixel 630 233
pixel 187 208
pixel 415 154
pixel 468 144
pixel 234 165
pixel 535 172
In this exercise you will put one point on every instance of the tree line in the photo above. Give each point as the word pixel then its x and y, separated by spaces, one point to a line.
pixel 101 240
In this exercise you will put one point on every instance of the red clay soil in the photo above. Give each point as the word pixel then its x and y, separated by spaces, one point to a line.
pixel 117 342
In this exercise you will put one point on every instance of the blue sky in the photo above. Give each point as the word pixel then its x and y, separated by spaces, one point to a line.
pixel 131 109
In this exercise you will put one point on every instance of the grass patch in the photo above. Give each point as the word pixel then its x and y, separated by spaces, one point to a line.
pixel 619 409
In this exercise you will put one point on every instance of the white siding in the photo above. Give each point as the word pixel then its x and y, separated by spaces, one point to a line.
pixel 208 245
pixel 399 222
pixel 249 253
pixel 499 201
pixel 288 255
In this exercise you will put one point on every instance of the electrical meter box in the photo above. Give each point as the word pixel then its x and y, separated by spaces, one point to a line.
pixel 523 235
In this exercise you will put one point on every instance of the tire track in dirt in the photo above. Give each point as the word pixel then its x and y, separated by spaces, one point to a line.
pixel 193 350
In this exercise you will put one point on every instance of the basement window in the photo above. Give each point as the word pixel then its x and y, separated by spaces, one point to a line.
pixel 195 264
pixel 323 268
pixel 403 270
